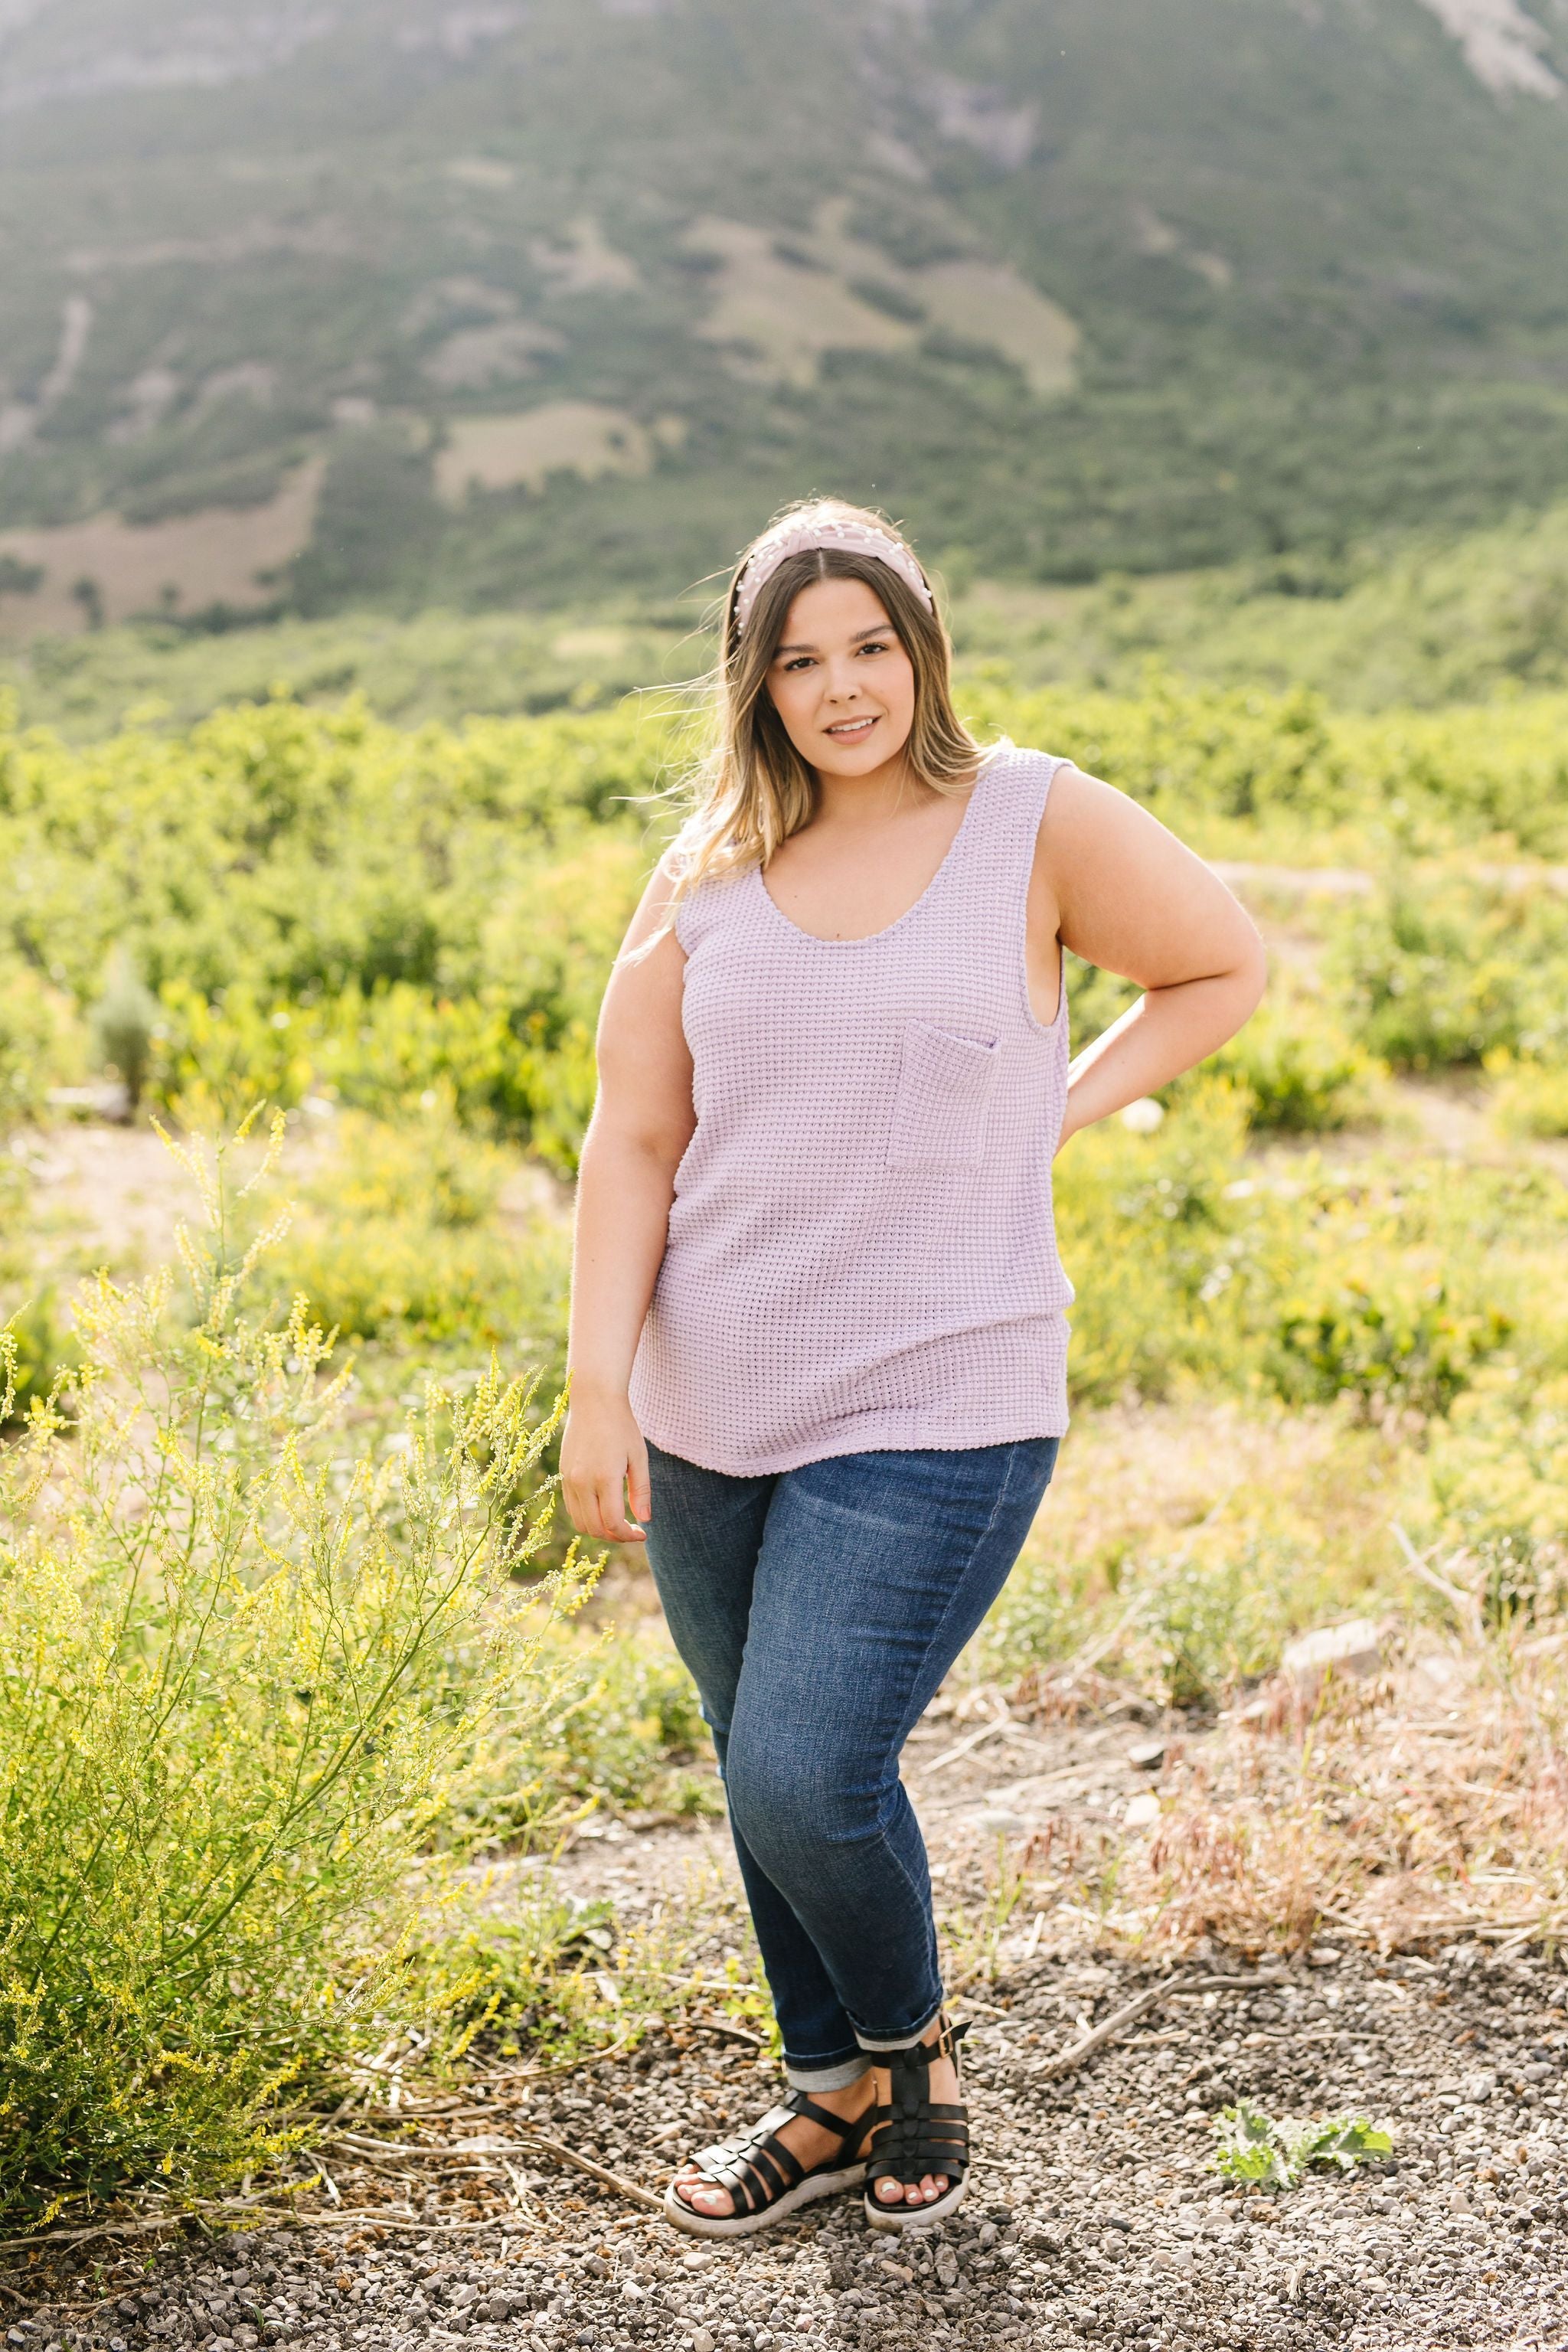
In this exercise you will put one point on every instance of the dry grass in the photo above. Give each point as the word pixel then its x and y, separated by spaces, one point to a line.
pixel 1182 1544
pixel 989 302
pixel 784 303
pixel 780 315
pixel 579 437
pixel 212 558
pixel 1427 1804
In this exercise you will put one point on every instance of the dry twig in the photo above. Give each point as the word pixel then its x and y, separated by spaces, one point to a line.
pixel 1068 2061
pixel 535 2144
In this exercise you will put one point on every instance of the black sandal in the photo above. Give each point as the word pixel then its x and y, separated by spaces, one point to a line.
pixel 911 2138
pixel 766 2180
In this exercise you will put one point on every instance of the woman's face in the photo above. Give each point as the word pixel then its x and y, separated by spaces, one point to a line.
pixel 841 680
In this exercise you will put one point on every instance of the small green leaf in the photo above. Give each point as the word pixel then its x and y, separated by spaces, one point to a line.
pixel 1254 2147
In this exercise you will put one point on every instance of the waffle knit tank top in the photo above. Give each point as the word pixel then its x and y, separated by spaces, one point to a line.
pixel 861 1252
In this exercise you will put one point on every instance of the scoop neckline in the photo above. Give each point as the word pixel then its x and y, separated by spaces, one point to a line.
pixel 869 938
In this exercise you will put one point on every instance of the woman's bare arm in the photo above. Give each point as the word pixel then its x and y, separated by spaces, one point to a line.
pixel 1133 899
pixel 643 1120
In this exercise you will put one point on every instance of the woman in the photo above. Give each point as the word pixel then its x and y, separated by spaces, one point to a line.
pixel 817 1335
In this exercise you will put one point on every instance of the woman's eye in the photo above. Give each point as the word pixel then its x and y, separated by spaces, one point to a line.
pixel 876 645
pixel 801 661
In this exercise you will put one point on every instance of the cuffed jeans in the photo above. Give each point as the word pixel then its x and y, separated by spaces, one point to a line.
pixel 820 1610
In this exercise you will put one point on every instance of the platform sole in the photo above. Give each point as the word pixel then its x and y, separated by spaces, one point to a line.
pixel 746 2225
pixel 898 2218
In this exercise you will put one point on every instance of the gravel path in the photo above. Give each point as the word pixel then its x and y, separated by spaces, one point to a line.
pixel 1092 2221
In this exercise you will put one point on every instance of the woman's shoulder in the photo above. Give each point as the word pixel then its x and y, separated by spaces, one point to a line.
pixel 702 894
pixel 1005 752
pixel 1026 779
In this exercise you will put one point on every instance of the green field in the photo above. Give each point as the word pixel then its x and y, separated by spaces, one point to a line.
pixel 371 873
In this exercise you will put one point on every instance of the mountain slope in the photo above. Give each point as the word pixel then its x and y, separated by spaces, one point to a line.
pixel 571 293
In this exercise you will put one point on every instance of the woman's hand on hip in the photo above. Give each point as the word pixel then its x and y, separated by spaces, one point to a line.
pixel 602 1457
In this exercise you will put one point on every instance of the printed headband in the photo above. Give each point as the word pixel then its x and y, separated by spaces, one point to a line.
pixel 803 534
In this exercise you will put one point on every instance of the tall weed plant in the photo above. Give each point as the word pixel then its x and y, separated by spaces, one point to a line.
pixel 245 1660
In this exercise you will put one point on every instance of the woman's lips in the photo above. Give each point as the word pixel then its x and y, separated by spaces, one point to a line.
pixel 851 732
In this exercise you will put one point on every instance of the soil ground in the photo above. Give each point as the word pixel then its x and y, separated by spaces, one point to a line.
pixel 1094 2217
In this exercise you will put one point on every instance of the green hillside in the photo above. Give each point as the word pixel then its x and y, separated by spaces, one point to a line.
pixel 497 303
pixel 1426 622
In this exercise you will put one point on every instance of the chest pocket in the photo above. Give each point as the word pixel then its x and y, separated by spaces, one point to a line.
pixel 939 1111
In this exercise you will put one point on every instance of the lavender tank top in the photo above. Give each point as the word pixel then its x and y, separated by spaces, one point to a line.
pixel 861 1250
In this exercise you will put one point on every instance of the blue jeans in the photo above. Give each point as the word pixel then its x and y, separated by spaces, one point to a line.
pixel 818 1611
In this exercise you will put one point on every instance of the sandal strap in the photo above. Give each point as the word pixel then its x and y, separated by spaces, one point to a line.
pixel 912 2135
pixel 845 2127
pixel 757 2167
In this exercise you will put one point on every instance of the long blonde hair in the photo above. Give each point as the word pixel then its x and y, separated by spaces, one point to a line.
pixel 751 789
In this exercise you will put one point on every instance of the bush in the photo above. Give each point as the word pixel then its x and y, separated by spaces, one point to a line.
pixel 1440 972
pixel 397 1239
pixel 1159 1246
pixel 42 1044
pixel 321 902
pixel 1202 1623
pixel 1495 1489
pixel 1395 1342
pixel 425 1167
pixel 1299 1070
pixel 244 1658
pixel 1531 1097
pixel 629 1736
pixel 39 1352
pixel 126 1021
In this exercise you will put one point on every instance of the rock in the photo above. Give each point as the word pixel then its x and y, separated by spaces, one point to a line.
pixel 1443 1671
pixel 1143 1116
pixel 947 2265
pixel 1146 1754
pixel 1143 1811
pixel 1478 2086
pixel 1355 1648
pixel 701 2340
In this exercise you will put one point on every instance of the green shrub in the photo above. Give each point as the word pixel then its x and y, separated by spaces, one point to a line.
pixel 396 1239
pixel 1440 972
pixel 1300 1071
pixel 39 1350
pixel 244 1657
pixel 42 1044
pixel 1159 1247
pixel 1247 773
pixel 1531 1097
pixel 1200 1624
pixel 1392 1342
pixel 1493 1501
pixel 425 1167
pixel 126 1021
pixel 629 1736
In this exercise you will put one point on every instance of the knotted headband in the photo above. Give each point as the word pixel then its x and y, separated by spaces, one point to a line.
pixel 802 534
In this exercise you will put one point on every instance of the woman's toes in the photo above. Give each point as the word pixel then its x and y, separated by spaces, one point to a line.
pixel 704 2197
pixel 890 2192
